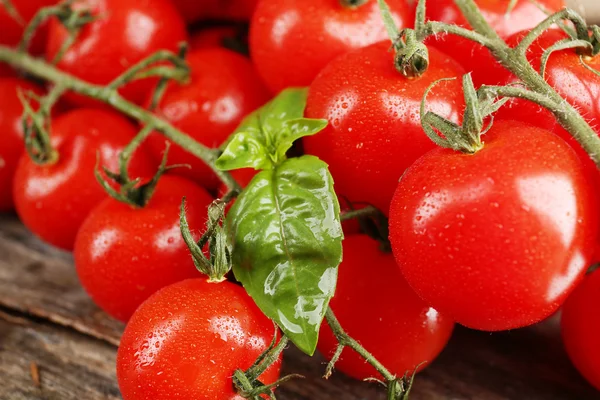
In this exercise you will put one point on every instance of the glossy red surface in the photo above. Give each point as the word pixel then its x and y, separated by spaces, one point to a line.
pixel 53 200
pixel 580 326
pixel 525 15
pixel 499 239
pixel 376 306
pixel 374 130
pixel 224 88
pixel 123 254
pixel 11 134
pixel 11 30
pixel 292 41
pixel 186 341
pixel 126 32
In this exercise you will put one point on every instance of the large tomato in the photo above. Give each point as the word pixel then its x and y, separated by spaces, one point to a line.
pixel 11 134
pixel 224 88
pixel 125 32
pixel 53 200
pixel 497 239
pixel 124 254
pixel 525 15
pixel 375 306
pixel 580 327
pixel 12 29
pixel 186 341
pixel 374 130
pixel 291 41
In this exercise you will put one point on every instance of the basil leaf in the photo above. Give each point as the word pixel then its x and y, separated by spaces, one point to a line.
pixel 264 137
pixel 287 244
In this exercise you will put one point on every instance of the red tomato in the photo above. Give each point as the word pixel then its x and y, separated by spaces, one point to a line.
pixel 12 30
pixel 224 88
pixel 401 331
pixel 292 41
pixel 212 37
pixel 498 239
pixel 186 341
pixel 374 130
pixel 53 200
pixel 120 249
pixel 580 326
pixel 126 32
pixel 194 10
pixel 525 15
pixel 11 138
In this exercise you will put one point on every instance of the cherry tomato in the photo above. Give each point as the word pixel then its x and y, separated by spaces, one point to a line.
pixel 186 341
pixel 120 249
pixel 12 29
pixel 374 130
pixel 525 15
pixel 11 138
pixel 224 88
pixel 125 32
pixel 292 41
pixel 194 10
pixel 212 37
pixel 53 200
pixel 580 326
pixel 497 239
pixel 375 306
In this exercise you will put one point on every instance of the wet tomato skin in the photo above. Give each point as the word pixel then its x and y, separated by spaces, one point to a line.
pixel 11 136
pixel 186 341
pixel 291 41
pixel 374 130
pixel 224 88
pixel 401 331
pixel 54 200
pixel 580 325
pixel 126 32
pixel 498 239
pixel 120 249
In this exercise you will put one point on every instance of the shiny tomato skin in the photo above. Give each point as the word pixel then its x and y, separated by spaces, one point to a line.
pixel 292 41
pixel 496 240
pixel 120 249
pixel 11 135
pixel 126 31
pixel 525 15
pixel 402 332
pixel 186 341
pixel 224 88
pixel 374 130
pixel 580 325
pixel 53 200
pixel 12 30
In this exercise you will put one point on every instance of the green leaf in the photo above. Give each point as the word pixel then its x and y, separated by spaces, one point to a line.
pixel 263 138
pixel 287 244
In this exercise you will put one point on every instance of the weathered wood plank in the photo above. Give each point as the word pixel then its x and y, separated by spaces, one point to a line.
pixel 41 283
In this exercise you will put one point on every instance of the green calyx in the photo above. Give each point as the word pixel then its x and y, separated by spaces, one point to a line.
pixel 352 3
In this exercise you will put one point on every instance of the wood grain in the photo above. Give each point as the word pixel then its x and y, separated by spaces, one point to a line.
pixel 48 320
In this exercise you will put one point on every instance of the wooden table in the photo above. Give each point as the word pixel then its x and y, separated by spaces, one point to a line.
pixel 56 345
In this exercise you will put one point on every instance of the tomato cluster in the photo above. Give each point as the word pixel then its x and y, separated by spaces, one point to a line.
pixel 495 239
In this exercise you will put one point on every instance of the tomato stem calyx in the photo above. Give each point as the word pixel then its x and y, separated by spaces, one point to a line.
pixel 352 3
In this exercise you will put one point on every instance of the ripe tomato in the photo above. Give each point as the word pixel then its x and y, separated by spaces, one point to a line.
pixel 375 306
pixel 497 239
pixel 125 32
pixel 120 249
pixel 580 326
pixel 11 138
pixel 525 15
pixel 186 341
pixel 213 37
pixel 292 41
pixel 224 88
pixel 374 130
pixel 53 200
pixel 194 10
pixel 12 29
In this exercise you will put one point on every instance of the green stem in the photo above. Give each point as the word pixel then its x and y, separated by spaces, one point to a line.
pixel 111 97
pixel 141 70
pixel 131 147
pixel 368 211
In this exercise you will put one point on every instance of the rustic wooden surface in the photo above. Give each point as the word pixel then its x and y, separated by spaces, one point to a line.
pixel 56 345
